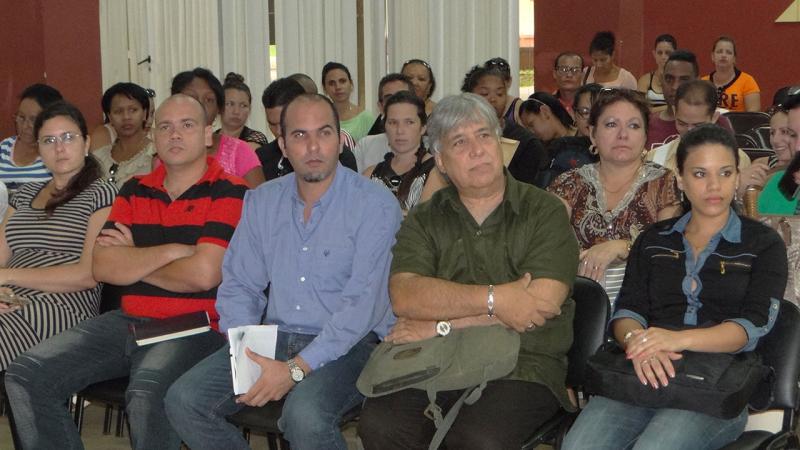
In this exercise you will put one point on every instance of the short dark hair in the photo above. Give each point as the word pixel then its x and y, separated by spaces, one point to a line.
pixel 407 97
pixel 311 98
pixel 425 65
pixel 281 92
pixel 724 38
pixel 91 168
pixel 333 66
pixel 684 56
pixel 567 53
pixel 603 41
pixel 42 94
pixel 502 65
pixel 235 81
pixel 707 133
pixel 609 96
pixel 537 99
pixel 183 79
pixel 698 92
pixel 129 90
pixel 391 78
pixel 668 38
pixel 476 74
pixel 591 88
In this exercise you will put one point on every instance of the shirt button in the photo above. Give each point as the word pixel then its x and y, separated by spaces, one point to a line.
pixel 478 233
pixel 302 279
pixel 297 307
pixel 305 249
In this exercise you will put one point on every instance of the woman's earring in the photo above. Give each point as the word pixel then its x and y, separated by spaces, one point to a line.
pixel 682 198
pixel 593 149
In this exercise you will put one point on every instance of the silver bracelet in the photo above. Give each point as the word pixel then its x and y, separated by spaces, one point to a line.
pixel 490 301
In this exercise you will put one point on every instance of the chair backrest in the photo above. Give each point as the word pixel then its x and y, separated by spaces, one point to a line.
pixel 592 311
pixel 745 141
pixel 743 122
pixel 110 298
pixel 780 349
pixel 755 153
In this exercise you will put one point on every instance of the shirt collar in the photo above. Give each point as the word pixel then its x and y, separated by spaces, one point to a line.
pixel 511 195
pixel 327 197
pixel 731 232
pixel 155 179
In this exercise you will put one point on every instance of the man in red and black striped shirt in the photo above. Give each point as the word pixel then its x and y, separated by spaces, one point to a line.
pixel 164 241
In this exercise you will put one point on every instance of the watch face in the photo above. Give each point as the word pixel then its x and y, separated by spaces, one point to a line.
pixel 443 328
pixel 297 374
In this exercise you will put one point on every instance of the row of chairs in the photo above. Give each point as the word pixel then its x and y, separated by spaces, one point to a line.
pixel 779 349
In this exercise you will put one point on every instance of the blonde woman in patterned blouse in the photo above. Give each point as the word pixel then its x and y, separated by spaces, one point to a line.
pixel 611 201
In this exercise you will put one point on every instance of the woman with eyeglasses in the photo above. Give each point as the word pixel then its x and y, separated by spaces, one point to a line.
pixel 126 107
pixel 604 70
pixel 19 155
pixel 650 83
pixel 421 76
pixel 582 106
pixel 338 86
pixel 544 116
pixel 707 282
pixel 234 155
pixel 47 237
pixel 738 91
pixel 512 101
pixel 237 110
pixel 611 201
pixel 405 169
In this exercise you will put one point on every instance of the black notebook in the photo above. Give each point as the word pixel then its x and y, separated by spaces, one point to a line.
pixel 158 330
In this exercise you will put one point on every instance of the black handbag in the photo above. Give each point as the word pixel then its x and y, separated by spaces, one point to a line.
pixel 717 384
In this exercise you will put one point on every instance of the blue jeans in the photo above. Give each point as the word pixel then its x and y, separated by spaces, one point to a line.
pixel 97 349
pixel 607 424
pixel 199 401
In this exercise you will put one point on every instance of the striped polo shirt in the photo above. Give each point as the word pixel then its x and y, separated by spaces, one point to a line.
pixel 13 175
pixel 207 212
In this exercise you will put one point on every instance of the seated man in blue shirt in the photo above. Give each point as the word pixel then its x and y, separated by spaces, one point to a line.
pixel 320 238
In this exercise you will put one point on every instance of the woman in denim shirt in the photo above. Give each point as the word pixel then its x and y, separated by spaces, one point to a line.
pixel 711 274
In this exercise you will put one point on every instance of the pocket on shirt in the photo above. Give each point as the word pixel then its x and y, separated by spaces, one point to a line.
pixel 334 264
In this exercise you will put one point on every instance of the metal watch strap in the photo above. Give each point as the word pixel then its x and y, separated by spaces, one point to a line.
pixel 490 301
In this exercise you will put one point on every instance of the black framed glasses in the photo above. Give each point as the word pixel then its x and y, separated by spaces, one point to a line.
pixel 112 172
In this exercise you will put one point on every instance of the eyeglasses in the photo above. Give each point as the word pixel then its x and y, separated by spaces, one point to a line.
pixel 66 139
pixel 567 70
pixel 582 112
pixel 112 171
pixel 21 120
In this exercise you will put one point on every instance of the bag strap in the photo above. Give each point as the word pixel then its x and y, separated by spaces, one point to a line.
pixel 443 424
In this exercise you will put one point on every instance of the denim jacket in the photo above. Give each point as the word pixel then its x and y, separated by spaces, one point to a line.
pixel 739 277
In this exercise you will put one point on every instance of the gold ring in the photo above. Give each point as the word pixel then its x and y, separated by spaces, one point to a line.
pixel 531 325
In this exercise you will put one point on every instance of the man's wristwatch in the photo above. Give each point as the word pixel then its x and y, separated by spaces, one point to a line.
pixel 295 370
pixel 443 327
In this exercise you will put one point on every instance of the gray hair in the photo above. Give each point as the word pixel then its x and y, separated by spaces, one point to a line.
pixel 456 111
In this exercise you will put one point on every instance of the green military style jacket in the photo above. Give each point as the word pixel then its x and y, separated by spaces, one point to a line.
pixel 528 232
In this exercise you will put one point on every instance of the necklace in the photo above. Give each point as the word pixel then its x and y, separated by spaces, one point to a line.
pixel 624 185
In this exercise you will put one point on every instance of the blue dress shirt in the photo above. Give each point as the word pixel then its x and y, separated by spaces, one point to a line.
pixel 328 276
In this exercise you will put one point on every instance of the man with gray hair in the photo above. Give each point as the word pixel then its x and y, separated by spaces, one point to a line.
pixel 486 249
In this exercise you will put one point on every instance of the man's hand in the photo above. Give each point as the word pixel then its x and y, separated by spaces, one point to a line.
pixel 410 330
pixel 273 384
pixel 122 236
pixel 518 307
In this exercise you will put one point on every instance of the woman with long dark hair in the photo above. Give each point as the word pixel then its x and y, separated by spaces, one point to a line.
pixel 47 237
pixel 405 169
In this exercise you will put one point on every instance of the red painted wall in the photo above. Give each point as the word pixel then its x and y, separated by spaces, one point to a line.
pixel 52 41
pixel 765 49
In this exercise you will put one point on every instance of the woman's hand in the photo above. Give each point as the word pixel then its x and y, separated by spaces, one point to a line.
pixel 654 340
pixel 5 307
pixel 410 330
pixel 657 369
pixel 595 260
